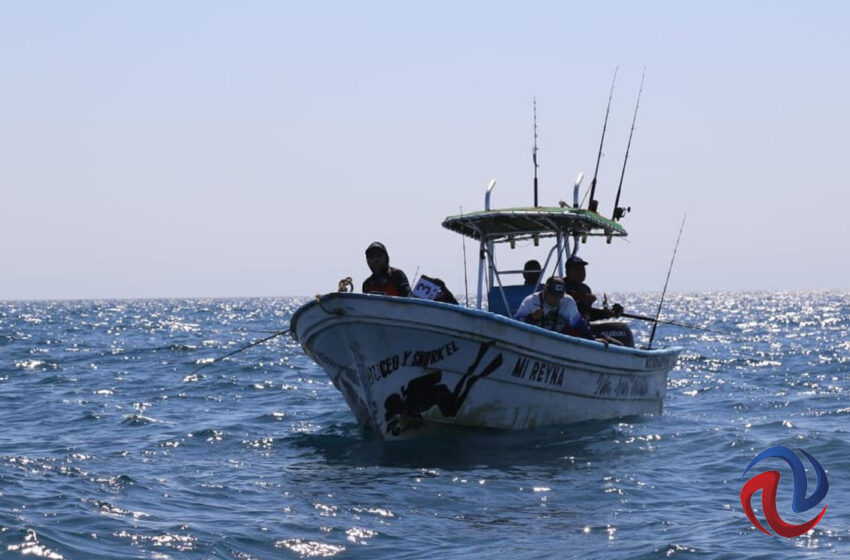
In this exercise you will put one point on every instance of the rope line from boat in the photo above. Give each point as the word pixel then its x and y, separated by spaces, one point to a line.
pixel 241 348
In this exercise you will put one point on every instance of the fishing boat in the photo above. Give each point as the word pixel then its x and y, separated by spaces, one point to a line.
pixel 409 365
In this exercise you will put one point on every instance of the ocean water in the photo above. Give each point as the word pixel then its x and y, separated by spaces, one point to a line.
pixel 112 445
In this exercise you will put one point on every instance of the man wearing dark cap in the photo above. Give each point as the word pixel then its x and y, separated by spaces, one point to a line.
pixel 582 293
pixel 553 309
pixel 385 279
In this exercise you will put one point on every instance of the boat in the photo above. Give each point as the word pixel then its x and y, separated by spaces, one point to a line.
pixel 409 366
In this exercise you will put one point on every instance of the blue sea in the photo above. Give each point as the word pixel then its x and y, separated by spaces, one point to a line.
pixel 114 445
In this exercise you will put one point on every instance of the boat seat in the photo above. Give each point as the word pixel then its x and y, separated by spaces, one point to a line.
pixel 514 295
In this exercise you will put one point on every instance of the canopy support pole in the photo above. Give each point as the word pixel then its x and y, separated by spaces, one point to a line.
pixel 560 264
pixel 480 273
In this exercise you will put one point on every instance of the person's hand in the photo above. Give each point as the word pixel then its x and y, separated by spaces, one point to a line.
pixel 537 314
pixel 617 309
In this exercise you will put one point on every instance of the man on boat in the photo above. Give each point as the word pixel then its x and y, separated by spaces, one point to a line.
pixel 553 309
pixel 531 273
pixel 583 295
pixel 385 279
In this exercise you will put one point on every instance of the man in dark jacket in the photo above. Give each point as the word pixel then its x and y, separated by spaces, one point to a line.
pixel 582 293
pixel 385 279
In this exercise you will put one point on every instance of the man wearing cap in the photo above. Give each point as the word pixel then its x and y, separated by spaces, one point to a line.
pixel 385 279
pixel 583 295
pixel 553 309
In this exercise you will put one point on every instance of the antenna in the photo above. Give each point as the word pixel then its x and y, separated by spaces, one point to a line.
pixel 594 204
pixel 618 211
pixel 534 151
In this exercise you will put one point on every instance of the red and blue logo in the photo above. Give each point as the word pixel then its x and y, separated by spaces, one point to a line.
pixel 768 482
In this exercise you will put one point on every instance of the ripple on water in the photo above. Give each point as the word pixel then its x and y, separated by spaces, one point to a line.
pixel 30 546
pixel 114 446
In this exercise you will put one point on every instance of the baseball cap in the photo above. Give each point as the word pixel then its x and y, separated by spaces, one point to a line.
pixel 555 285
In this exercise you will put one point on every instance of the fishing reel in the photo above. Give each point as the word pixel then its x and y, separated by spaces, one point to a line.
pixel 614 311
pixel 619 212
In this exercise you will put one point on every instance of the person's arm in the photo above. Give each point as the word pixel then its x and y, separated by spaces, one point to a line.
pixel 525 308
pixel 401 282
pixel 574 320
pixel 597 313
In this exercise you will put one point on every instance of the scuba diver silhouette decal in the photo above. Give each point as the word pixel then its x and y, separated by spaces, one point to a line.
pixel 403 410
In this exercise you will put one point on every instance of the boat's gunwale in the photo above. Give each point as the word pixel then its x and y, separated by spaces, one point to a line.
pixel 480 313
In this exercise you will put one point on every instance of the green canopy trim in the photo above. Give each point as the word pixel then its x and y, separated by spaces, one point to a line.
pixel 523 223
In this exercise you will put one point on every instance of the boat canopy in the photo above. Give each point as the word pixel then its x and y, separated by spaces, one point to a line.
pixel 514 224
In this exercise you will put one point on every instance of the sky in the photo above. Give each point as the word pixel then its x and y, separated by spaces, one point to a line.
pixel 218 149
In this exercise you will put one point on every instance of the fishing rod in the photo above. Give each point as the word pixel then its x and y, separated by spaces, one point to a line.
pixel 664 291
pixel 415 276
pixel 534 151
pixel 618 211
pixel 465 279
pixel 674 323
pixel 594 204
pixel 252 344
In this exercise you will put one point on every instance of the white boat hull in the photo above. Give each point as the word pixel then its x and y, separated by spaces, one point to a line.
pixel 405 365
